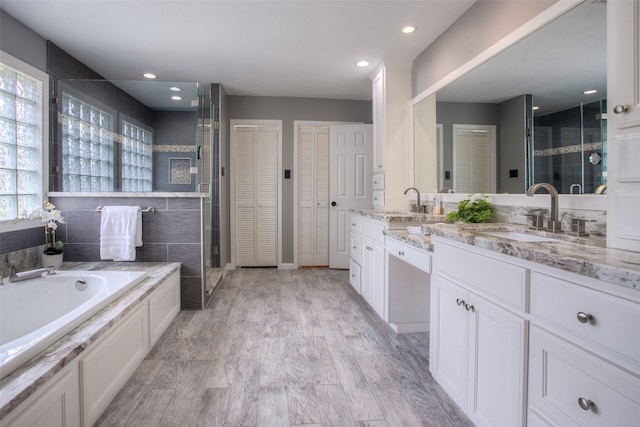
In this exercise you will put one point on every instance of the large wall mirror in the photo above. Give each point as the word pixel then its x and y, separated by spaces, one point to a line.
pixel 523 116
pixel 128 136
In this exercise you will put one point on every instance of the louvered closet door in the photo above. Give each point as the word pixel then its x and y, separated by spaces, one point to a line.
pixel 473 162
pixel 256 195
pixel 313 195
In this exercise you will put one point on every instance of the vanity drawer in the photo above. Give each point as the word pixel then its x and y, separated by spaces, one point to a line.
pixel 373 230
pixel 355 223
pixel 560 375
pixel 500 280
pixel 354 275
pixel 356 247
pixel 414 256
pixel 378 182
pixel 604 319
pixel 378 199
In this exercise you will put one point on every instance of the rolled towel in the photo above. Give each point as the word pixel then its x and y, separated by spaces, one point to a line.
pixel 416 231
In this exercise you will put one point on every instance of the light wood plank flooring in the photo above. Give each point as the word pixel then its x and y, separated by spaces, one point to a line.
pixel 284 348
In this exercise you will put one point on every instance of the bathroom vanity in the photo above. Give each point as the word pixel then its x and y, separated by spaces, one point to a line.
pixel 536 333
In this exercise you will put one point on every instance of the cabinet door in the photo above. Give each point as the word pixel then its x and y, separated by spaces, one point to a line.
pixel 378 278
pixel 449 343
pixel 379 120
pixel 623 83
pixel 366 285
pixel 496 365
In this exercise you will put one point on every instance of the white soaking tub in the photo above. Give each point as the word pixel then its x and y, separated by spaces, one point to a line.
pixel 35 313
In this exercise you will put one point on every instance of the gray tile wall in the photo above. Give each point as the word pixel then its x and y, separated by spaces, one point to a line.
pixel 171 234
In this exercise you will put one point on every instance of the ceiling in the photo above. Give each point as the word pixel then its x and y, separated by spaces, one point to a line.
pixel 301 48
pixel 555 64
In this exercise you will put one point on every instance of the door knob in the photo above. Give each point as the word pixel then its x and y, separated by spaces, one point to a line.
pixel 333 203
pixel 620 108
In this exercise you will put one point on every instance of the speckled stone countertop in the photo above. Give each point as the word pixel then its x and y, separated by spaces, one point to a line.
pixel 585 256
pixel 24 381
pixel 399 216
pixel 420 242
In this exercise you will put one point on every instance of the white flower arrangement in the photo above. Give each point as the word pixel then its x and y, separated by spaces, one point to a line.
pixel 51 218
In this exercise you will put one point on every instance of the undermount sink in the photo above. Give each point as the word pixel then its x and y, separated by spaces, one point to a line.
pixel 520 237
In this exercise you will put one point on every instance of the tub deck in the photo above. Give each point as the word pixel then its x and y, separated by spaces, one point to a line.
pixel 25 380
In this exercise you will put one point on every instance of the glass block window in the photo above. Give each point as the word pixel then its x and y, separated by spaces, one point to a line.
pixel 87 146
pixel 137 158
pixel 21 132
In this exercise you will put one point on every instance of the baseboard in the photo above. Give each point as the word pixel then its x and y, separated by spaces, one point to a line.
pixel 287 266
pixel 405 328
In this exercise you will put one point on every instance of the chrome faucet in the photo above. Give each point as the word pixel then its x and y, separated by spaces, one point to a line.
pixel 30 274
pixel 418 206
pixel 553 225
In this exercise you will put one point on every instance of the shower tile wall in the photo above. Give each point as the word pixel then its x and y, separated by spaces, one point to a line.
pixel 171 234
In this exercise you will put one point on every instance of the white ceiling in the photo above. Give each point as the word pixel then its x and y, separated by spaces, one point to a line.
pixel 301 48
pixel 554 64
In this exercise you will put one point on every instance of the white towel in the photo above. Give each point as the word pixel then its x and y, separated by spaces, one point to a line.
pixel 416 231
pixel 120 232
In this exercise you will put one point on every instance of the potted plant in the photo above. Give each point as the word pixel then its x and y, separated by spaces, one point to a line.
pixel 52 255
pixel 472 210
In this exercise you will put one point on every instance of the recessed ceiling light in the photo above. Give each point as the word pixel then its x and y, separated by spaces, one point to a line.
pixel 590 91
pixel 175 89
pixel 408 29
pixel 149 76
pixel 362 63
pixel 176 98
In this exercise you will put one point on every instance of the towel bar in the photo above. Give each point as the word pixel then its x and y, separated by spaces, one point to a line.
pixel 150 209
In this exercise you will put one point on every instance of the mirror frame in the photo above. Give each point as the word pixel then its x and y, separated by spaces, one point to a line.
pixel 556 10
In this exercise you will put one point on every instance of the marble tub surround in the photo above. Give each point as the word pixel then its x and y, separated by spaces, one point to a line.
pixel 420 242
pixel 24 381
pixel 23 259
pixel 586 256
pixel 394 216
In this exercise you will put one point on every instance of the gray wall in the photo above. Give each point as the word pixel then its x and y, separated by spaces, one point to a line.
pixel 20 41
pixel 511 144
pixel 288 110
pixel 450 113
pixel 171 234
pixel 484 24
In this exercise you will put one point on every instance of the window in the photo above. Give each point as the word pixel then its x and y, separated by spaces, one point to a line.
pixel 23 127
pixel 87 146
pixel 137 160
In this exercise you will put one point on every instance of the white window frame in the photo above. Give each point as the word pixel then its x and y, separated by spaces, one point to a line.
pixel 43 79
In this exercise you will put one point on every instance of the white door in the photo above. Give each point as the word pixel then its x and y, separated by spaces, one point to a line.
pixel 349 185
pixel 474 159
pixel 313 195
pixel 255 195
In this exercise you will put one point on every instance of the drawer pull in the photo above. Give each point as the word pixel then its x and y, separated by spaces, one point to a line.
pixel 353 224
pixel 460 301
pixel 355 247
pixel 586 404
pixel 401 253
pixel 469 307
pixel 584 317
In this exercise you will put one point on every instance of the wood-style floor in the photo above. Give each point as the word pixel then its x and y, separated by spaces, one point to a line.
pixel 284 348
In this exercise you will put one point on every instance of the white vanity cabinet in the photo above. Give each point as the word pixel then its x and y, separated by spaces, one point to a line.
pixel 584 357
pixel 372 268
pixel 479 332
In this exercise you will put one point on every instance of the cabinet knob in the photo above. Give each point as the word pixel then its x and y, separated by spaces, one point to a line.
pixel 400 253
pixel 460 301
pixel 469 307
pixel 584 317
pixel 586 404
pixel 620 108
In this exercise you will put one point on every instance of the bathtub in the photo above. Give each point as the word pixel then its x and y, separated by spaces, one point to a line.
pixel 35 313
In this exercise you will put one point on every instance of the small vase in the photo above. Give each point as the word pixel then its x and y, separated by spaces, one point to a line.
pixel 52 260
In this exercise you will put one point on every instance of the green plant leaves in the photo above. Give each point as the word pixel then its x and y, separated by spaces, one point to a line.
pixel 470 210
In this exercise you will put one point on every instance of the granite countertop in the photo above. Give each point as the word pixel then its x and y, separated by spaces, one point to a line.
pixel 420 242
pixel 24 381
pixel 585 256
pixel 399 216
